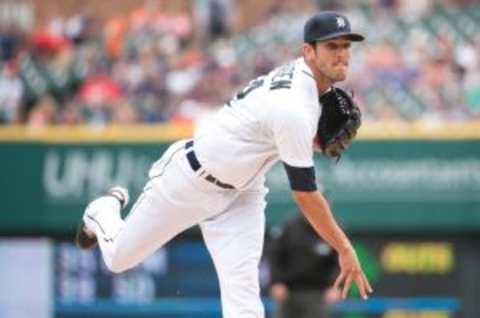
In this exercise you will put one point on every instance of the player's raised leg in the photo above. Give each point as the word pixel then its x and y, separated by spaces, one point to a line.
pixel 235 242
pixel 170 203
pixel 149 225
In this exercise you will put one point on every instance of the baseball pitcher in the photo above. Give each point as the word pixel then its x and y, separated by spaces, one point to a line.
pixel 217 178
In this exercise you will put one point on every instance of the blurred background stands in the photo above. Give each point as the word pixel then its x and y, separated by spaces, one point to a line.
pixel 175 61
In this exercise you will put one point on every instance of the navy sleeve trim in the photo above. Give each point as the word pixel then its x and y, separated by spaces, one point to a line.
pixel 301 179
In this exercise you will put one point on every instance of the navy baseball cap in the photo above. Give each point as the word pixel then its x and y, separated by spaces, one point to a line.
pixel 329 25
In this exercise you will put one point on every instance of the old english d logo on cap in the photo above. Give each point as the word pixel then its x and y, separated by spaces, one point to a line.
pixel 340 22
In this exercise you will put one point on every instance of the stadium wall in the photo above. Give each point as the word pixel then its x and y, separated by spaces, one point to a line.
pixel 408 178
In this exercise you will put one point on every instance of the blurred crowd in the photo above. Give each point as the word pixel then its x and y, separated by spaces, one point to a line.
pixel 420 61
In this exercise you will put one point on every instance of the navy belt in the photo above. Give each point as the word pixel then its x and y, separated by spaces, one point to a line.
pixel 195 165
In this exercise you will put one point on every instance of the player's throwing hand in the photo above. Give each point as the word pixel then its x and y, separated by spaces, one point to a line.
pixel 350 270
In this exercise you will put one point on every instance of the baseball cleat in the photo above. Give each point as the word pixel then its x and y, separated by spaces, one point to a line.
pixel 85 238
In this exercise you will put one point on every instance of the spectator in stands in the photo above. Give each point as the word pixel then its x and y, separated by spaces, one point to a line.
pixel 417 66
pixel 11 92
pixel 43 113
pixel 70 115
pixel 124 114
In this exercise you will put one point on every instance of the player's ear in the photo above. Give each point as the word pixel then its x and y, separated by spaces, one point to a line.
pixel 308 51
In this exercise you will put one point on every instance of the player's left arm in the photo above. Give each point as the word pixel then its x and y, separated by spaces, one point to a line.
pixel 316 209
pixel 293 133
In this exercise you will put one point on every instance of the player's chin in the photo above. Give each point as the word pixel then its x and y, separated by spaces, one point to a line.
pixel 339 73
pixel 339 76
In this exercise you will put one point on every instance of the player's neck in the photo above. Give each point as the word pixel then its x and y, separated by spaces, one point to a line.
pixel 323 82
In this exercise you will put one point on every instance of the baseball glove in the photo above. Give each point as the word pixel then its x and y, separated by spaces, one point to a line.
pixel 338 125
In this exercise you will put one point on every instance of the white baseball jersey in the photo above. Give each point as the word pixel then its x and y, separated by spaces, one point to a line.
pixel 274 118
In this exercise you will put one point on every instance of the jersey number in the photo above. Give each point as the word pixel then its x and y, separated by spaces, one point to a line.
pixel 254 84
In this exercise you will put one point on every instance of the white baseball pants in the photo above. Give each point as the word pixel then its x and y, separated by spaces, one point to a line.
pixel 176 198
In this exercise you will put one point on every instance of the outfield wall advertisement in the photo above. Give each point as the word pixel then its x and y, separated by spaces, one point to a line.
pixel 404 185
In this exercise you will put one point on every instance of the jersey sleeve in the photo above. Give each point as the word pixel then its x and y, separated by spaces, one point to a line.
pixel 293 135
